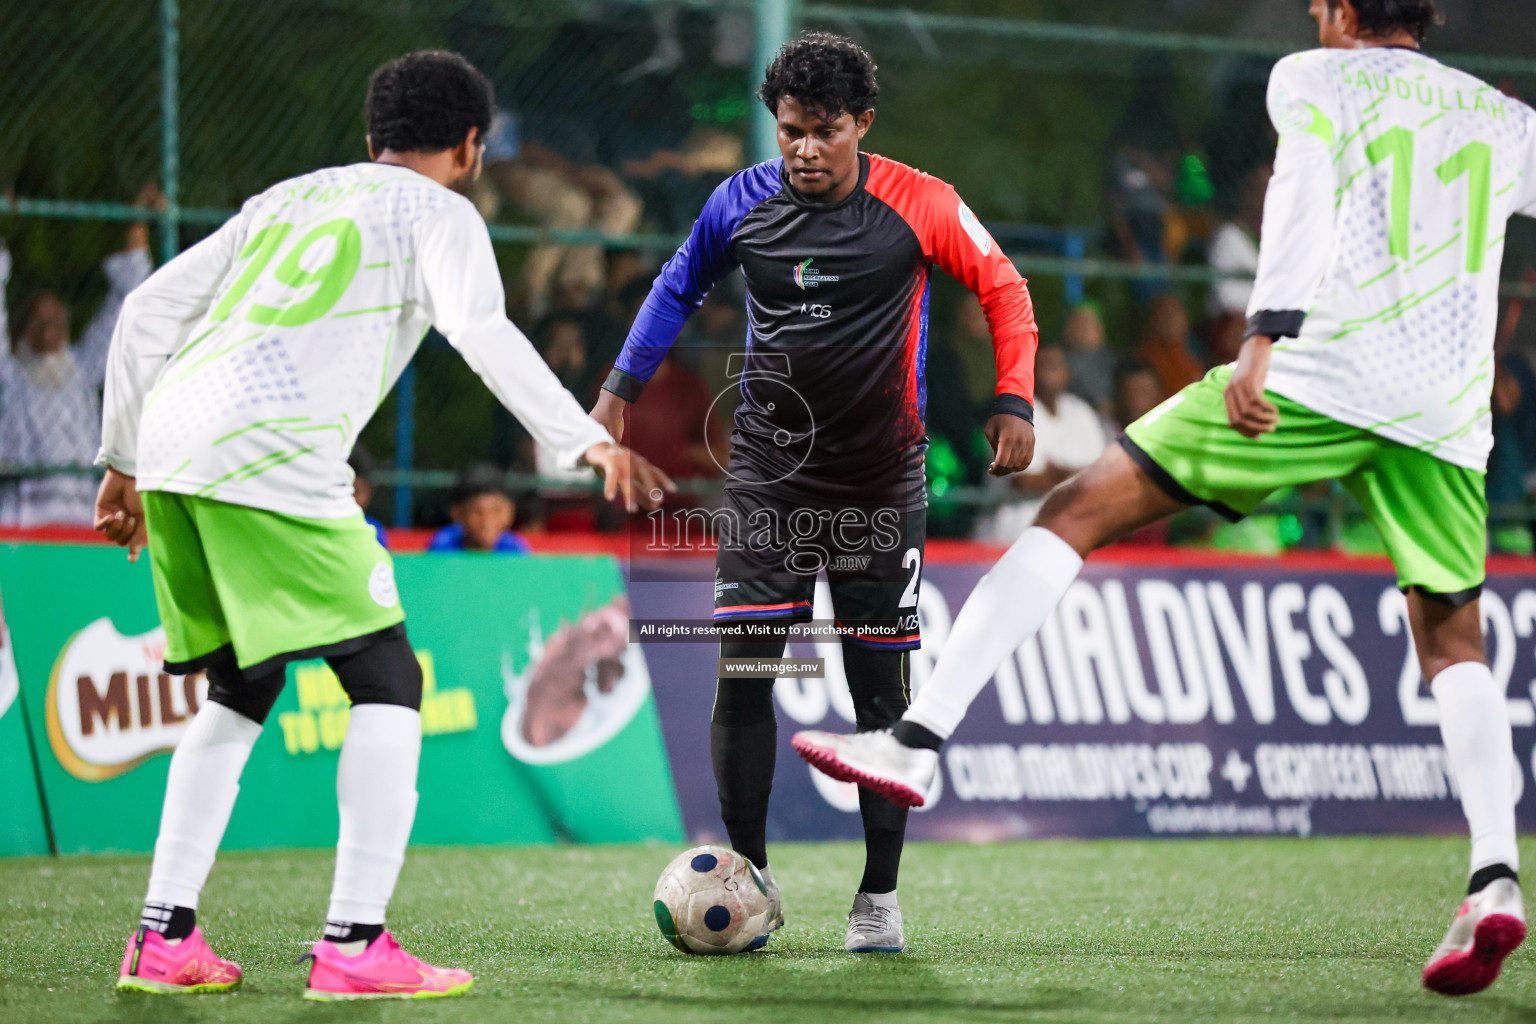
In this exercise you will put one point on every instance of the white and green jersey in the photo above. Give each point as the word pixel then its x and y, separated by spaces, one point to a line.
pixel 1383 235
pixel 244 369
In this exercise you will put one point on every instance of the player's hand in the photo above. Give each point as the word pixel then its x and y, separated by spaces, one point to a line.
pixel 1013 444
pixel 120 513
pixel 1248 411
pixel 609 411
pixel 641 482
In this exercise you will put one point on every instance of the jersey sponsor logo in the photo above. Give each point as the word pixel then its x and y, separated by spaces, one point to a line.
pixel 805 277
pixel 111 705
pixel 973 227
pixel 812 309
pixel 381 585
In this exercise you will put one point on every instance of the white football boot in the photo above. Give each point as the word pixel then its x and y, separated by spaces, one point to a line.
pixel 1487 928
pixel 876 760
pixel 775 919
pixel 776 908
pixel 873 929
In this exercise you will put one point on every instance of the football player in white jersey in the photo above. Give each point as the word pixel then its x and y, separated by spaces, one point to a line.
pixel 239 378
pixel 1369 360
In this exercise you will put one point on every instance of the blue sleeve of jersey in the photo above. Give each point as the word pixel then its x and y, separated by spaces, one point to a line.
pixel 688 276
pixel 449 538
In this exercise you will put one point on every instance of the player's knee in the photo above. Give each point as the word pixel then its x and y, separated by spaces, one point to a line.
pixel 1085 510
pixel 384 672
pixel 1069 502
pixel 1438 653
pixel 741 699
pixel 250 696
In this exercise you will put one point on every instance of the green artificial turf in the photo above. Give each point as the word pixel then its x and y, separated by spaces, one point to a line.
pixel 1330 929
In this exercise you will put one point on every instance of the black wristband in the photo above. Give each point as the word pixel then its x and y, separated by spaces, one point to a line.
pixel 1275 323
pixel 1013 405
pixel 626 385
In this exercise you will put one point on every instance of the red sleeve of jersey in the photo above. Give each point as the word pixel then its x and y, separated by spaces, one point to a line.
pixel 953 239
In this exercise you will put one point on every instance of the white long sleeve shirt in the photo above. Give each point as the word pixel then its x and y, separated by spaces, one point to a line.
pixel 1383 236
pixel 245 368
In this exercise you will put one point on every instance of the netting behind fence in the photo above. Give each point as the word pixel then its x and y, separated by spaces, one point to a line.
pixel 1122 168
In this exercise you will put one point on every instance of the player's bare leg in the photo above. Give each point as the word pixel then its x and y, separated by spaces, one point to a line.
pixel 1474 726
pixel 1110 499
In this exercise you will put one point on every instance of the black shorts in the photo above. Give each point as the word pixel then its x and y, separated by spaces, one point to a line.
pixel 769 555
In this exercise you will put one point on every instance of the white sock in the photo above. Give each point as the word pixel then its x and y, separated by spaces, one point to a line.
pixel 1474 726
pixel 1007 607
pixel 376 790
pixel 200 793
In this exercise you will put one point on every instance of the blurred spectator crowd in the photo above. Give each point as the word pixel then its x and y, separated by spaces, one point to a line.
pixel 602 138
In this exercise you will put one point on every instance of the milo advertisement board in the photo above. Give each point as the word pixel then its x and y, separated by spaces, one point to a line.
pixel 538 721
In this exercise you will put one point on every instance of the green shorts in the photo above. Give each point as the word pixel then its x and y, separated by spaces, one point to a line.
pixel 274 587
pixel 1432 514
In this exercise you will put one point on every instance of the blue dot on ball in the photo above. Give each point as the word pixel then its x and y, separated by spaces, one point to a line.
pixel 717 918
pixel 705 862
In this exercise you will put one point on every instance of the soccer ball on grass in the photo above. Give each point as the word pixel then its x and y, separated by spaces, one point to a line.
pixel 712 901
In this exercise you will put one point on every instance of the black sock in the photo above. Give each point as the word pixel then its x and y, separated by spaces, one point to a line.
pixel 877 681
pixel 1482 876
pixel 351 931
pixel 743 757
pixel 910 734
pixel 170 921
pixel 743 743
pixel 885 830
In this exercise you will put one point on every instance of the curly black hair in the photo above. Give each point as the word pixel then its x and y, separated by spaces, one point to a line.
pixel 426 102
pixel 828 74
pixel 1382 18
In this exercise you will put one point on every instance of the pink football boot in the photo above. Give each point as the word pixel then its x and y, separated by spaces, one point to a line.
pixel 151 964
pixel 1487 928
pixel 382 971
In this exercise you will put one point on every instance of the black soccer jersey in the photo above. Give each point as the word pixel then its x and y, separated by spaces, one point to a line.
pixel 832 384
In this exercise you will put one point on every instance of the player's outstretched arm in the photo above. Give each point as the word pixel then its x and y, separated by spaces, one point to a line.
pixel 609 411
pixel 465 300
pixel 630 473
pixel 703 258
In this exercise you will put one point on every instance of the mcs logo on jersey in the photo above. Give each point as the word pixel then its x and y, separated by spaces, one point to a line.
pixel 110 704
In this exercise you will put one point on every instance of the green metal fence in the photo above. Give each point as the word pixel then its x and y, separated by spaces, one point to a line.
pixel 213 100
